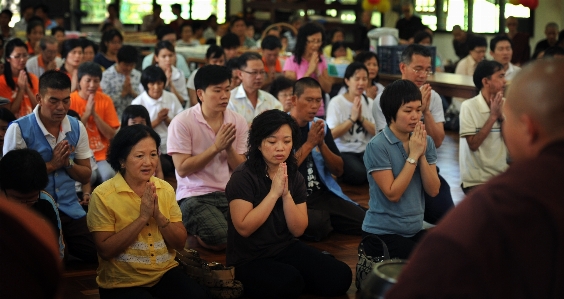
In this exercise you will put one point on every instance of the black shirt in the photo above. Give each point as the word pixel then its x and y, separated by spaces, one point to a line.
pixel 46 210
pixel 408 28
pixel 273 235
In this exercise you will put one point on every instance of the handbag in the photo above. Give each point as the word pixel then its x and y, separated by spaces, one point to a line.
pixel 366 263
pixel 219 279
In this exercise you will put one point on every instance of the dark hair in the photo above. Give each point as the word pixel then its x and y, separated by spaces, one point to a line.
pixel 47 40
pixel 105 27
pixel 364 56
pixel 414 49
pixel 232 64
pixel 303 83
pixel 74 114
pixel 69 45
pixel 55 80
pixel 127 54
pixel 164 30
pixel 57 29
pixel 306 30
pixel 114 6
pixel 395 95
pixel 34 23
pixel 125 139
pixel 23 170
pixel 248 56
pixel 497 39
pixel 332 33
pixel 421 35
pixel 279 84
pixel 7 115
pixel 214 51
pixel 185 24
pixel 477 41
pixel 85 43
pixel 8 76
pixel 353 67
pixel 335 46
pixel 8 12
pixel 176 5
pixel 271 42
pixel 107 37
pixel 485 69
pixel 89 68
pixel 263 126
pixel 133 111
pixel 234 20
pixel 43 7
pixel 552 51
pixel 230 41
pixel 198 24
pixel 152 74
pixel 211 75
pixel 210 41
pixel 164 44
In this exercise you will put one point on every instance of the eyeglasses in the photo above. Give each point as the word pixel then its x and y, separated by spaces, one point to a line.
pixel 422 71
pixel 19 57
pixel 255 73
pixel 314 41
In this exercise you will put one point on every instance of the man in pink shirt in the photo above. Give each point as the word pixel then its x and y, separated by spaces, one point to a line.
pixel 206 143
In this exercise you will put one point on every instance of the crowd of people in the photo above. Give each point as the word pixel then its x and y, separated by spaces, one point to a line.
pixel 260 145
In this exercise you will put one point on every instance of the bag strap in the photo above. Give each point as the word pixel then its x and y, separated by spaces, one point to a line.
pixel 384 246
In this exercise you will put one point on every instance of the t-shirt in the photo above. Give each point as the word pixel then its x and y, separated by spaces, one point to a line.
pixel 104 107
pixel 179 83
pixel 114 206
pixel 301 69
pixel 7 92
pixel 190 134
pixel 408 28
pixel 273 235
pixel 356 138
pixel 112 85
pixel 405 217
pixel 103 61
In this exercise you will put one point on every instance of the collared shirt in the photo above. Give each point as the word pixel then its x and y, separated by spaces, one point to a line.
pixel 240 103
pixel 179 82
pixel 405 217
pixel 36 65
pixel 154 106
pixel 466 66
pixel 112 85
pixel 13 139
pixel 511 72
pixel 490 159
pixel 189 133
pixel 114 206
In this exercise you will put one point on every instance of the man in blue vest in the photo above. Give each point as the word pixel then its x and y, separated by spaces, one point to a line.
pixel 63 145
pixel 319 158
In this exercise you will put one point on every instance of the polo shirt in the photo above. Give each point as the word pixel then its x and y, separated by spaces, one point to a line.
pixel 190 134
pixel 511 72
pixel 240 103
pixel 114 206
pixel 6 92
pixel 36 65
pixel 405 217
pixel 489 160
pixel 169 101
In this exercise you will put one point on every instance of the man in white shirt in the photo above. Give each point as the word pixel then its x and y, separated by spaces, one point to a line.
pixel 47 60
pixel 501 49
pixel 483 153
pixel 248 99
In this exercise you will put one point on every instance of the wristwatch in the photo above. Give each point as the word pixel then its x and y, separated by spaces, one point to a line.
pixel 411 161
pixel 71 164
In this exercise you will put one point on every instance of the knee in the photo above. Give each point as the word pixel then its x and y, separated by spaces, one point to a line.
pixel 337 281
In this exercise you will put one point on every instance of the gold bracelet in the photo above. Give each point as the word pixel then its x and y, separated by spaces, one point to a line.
pixel 166 224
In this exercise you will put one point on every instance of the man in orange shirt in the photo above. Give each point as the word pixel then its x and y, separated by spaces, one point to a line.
pixel 270 50
pixel 98 114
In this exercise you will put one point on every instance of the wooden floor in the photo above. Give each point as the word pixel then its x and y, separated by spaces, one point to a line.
pixel 80 278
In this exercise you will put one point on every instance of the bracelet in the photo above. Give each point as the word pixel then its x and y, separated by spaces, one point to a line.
pixel 166 224
pixel 352 121
pixel 86 194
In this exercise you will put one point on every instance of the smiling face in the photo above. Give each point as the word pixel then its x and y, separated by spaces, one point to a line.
pixel 54 105
pixel 141 161
pixel 407 117
pixel 357 82
pixel 277 147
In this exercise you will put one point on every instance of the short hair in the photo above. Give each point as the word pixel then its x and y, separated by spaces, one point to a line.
pixel 7 12
pixel 333 32
pixel 176 5
pixel 336 46
pixel 551 25
pixel 230 41
pixel 270 42
pixel 73 113
pixel 48 39
pixel 69 45
pixel 214 51
pixel 23 170
pixel 107 37
pixel 211 75
pixel 164 30
pixel 125 139
pixel 497 39
pixel 33 24
pixel 248 56
pixel 133 111
pixel 421 35
pixel 185 24
pixel 232 64
pixel 485 69
pixel 236 19
pixel 54 30
pixel 43 7
pixel 89 68
pixel 303 83
pixel 85 43
pixel 353 68
pixel 127 54
pixel 164 44
pixel 263 126
pixel 279 84
pixel 414 49
pixel 364 56
pixel 7 115
pixel 477 41
pixel 55 80
pixel 553 51
pixel 395 95
pixel 152 74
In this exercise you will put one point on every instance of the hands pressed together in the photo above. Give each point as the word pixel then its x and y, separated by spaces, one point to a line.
pixel 61 154
pixel 225 137
pixel 149 203
pixel 316 133
pixel 418 142
pixel 279 185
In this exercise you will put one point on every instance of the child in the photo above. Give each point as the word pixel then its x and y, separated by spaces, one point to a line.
pixel 400 163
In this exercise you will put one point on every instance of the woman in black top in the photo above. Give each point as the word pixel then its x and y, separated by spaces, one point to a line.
pixel 267 212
